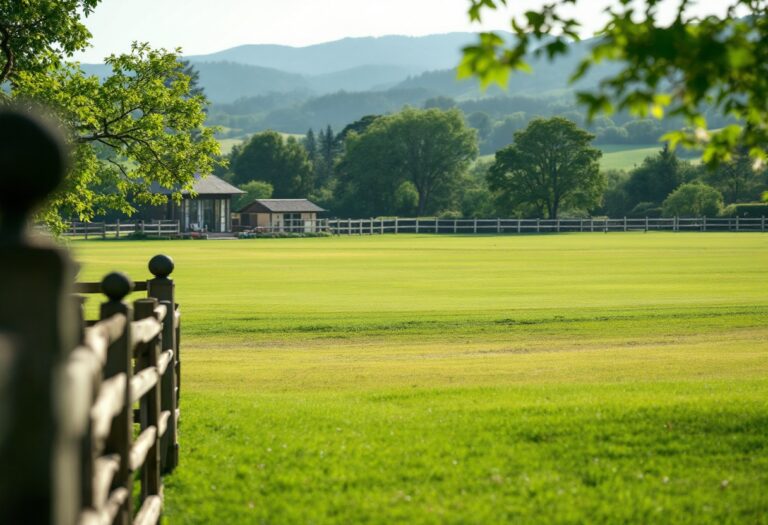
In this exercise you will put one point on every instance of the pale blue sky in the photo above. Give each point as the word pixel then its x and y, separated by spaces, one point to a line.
pixel 205 26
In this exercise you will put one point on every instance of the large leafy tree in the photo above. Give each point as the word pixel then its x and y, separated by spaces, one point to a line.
pixel 143 124
pixel 37 35
pixel 282 162
pixel 551 165
pixel 737 180
pixel 138 126
pixel 654 179
pixel 678 68
pixel 427 149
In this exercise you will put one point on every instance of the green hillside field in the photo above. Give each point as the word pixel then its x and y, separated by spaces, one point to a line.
pixel 575 378
pixel 228 144
pixel 622 156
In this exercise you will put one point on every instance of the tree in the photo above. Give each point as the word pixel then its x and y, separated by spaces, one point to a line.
pixel 737 180
pixel 328 149
pixel 359 126
pixel 310 144
pixel 694 199
pixel 138 126
pixel 429 149
pixel 679 69
pixel 503 133
pixel 143 124
pixel 191 71
pixel 482 123
pixel 269 157
pixel 255 189
pixel 36 37
pixel 654 179
pixel 551 165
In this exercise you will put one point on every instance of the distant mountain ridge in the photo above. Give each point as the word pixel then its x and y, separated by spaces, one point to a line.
pixel 350 64
pixel 414 53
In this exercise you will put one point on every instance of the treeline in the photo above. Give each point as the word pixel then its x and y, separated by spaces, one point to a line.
pixel 424 162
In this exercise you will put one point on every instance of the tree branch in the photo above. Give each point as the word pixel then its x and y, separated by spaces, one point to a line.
pixel 5 46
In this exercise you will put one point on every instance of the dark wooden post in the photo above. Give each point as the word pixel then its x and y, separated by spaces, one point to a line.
pixel 147 356
pixel 163 289
pixel 116 286
pixel 39 454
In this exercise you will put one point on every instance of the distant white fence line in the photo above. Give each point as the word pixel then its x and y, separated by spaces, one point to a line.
pixel 509 226
pixel 119 229
pixel 382 225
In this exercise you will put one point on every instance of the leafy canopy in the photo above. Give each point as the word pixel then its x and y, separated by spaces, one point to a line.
pixel 426 150
pixel 551 165
pixel 141 125
pixel 269 157
pixel 36 35
pixel 694 199
pixel 679 68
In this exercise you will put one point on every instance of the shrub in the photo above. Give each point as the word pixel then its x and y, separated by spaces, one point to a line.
pixel 694 199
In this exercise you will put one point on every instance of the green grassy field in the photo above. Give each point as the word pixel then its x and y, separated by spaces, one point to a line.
pixel 582 378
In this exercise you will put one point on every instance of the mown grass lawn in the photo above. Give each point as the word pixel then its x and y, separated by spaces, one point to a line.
pixel 582 378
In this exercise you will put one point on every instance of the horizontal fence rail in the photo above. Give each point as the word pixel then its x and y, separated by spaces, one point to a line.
pixel 137 362
pixel 513 226
pixel 117 229
pixel 298 226
pixel 128 356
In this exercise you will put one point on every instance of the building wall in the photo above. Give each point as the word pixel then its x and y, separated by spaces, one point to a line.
pixel 275 221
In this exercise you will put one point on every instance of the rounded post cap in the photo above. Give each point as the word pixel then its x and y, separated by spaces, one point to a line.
pixel 116 286
pixel 33 160
pixel 161 266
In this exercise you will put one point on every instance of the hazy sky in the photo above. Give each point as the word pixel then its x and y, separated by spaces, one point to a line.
pixel 205 26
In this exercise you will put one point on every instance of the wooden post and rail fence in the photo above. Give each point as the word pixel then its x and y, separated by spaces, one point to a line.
pixel 382 225
pixel 117 229
pixel 71 443
pixel 426 225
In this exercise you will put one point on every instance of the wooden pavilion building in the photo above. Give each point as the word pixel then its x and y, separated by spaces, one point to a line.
pixel 210 210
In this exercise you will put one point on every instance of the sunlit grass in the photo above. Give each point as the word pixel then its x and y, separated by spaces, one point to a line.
pixel 422 379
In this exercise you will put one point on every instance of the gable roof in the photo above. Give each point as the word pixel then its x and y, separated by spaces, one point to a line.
pixel 210 185
pixel 281 206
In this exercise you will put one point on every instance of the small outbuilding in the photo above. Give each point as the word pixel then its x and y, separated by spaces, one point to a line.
pixel 280 215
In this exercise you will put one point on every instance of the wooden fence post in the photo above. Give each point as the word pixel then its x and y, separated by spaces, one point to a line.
pixel 737 223
pixel 455 225
pixel 498 225
pixel 39 457
pixel 116 287
pixel 762 224
pixel 396 224
pixel 163 289
pixel 474 228
pixel 417 225
pixel 437 225
pixel 538 225
pixel 148 355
